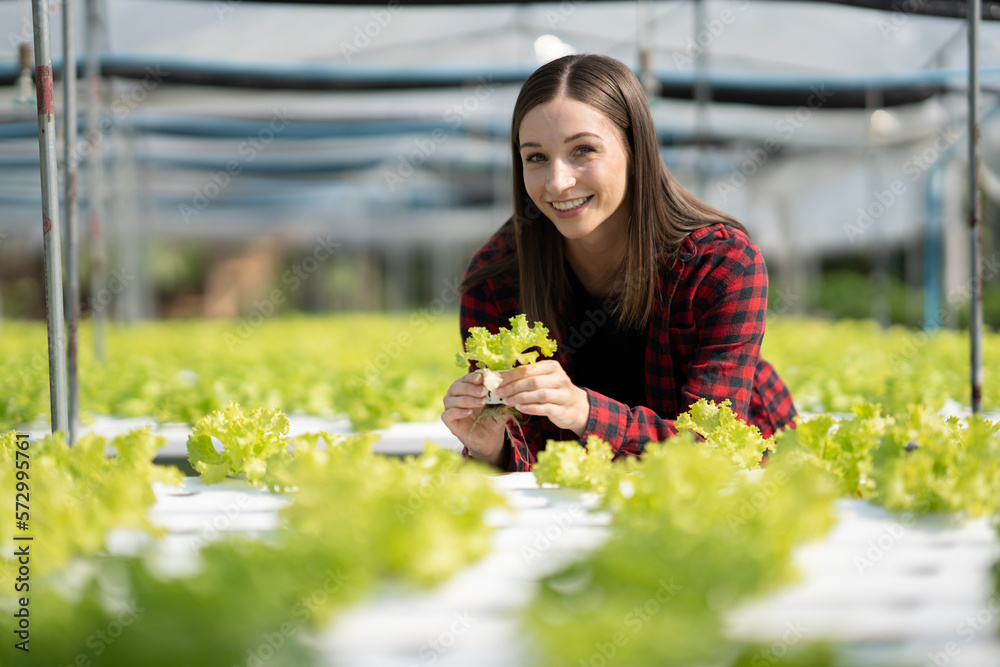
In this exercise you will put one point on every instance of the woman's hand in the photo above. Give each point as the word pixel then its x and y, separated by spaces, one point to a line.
pixel 462 405
pixel 544 389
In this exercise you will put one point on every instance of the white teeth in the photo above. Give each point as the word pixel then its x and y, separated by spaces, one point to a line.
pixel 568 205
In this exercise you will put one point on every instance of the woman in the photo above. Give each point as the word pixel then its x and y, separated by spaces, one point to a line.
pixel 655 298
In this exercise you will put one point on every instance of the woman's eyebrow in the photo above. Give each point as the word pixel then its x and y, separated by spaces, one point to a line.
pixel 535 144
pixel 580 134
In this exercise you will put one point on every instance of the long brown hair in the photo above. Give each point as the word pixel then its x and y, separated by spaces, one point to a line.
pixel 663 212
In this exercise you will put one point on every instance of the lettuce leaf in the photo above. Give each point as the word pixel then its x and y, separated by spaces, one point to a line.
pixel 722 429
pixel 358 523
pixel 689 541
pixel 571 465
pixel 77 494
pixel 508 347
pixel 249 440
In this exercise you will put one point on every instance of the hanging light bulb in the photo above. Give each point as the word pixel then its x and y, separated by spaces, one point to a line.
pixel 550 47
pixel 884 124
pixel 25 86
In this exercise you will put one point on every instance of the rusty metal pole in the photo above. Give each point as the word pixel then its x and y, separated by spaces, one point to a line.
pixel 72 221
pixel 975 214
pixel 50 216
pixel 95 176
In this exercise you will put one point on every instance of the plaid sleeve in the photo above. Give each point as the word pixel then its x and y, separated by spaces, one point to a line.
pixel 626 429
pixel 771 406
pixel 729 302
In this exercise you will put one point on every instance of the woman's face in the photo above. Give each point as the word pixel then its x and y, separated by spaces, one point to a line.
pixel 575 168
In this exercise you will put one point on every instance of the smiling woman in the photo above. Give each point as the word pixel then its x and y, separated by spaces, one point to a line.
pixel 575 169
pixel 656 298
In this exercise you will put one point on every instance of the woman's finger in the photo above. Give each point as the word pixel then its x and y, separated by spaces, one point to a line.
pixel 463 401
pixel 467 385
pixel 551 375
pixel 455 414
pixel 543 395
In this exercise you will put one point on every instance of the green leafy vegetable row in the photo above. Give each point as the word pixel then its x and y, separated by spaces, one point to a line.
pixel 75 495
pixel 569 465
pixel 911 461
pixel 356 521
pixel 374 369
pixel 688 543
pixel 831 366
pixel 377 369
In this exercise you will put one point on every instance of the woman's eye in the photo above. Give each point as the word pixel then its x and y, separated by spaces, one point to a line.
pixel 534 157
pixel 583 150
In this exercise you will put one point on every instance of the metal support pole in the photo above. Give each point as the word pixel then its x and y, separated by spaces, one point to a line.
pixel 975 214
pixel 95 177
pixel 934 312
pixel 881 310
pixel 644 13
pixel 702 97
pixel 72 222
pixel 50 216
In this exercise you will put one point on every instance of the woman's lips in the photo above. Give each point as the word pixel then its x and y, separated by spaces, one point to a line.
pixel 576 205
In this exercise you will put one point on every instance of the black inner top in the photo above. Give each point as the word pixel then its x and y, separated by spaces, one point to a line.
pixel 606 358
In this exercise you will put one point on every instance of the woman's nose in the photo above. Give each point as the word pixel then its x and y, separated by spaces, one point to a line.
pixel 561 177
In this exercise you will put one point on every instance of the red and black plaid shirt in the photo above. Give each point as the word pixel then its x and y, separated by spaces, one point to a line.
pixel 703 341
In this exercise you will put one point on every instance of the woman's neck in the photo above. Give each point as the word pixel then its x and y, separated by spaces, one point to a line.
pixel 595 263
